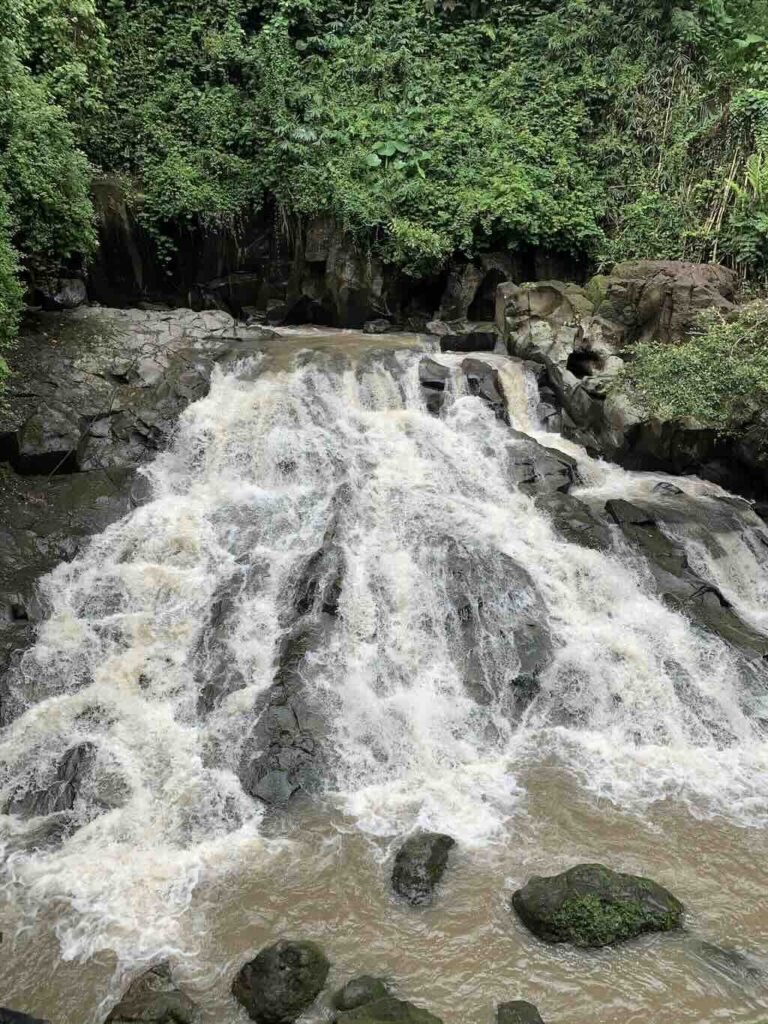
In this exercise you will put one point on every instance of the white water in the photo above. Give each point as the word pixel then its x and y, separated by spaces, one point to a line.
pixel 637 704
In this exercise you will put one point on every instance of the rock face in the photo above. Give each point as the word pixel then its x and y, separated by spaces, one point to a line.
pixel 360 991
pixel 154 999
pixel 283 981
pixel 590 905
pixel 60 794
pixel 580 336
pixel 518 1012
pixel 94 395
pixel 661 299
pixel 420 864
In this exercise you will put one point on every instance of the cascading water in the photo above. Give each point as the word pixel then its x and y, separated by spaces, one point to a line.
pixel 467 652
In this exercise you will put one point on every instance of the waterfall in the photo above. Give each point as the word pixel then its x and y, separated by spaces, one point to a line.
pixel 435 634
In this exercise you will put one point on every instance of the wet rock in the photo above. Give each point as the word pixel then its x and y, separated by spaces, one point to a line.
pixel 643 526
pixel 62 791
pixel 575 521
pixel 470 338
pixel 281 982
pixel 518 1012
pixel 14 1017
pixel 389 1011
pixel 379 326
pixel 360 991
pixel 153 998
pixel 434 378
pixel 420 864
pixel 538 470
pixel 733 964
pixel 664 487
pixel 483 381
pixel 591 905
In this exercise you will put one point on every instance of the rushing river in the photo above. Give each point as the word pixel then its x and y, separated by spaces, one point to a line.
pixel 643 747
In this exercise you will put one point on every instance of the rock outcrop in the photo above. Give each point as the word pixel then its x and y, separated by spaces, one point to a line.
pixel 281 982
pixel 582 336
pixel 153 998
pixel 591 905
pixel 420 864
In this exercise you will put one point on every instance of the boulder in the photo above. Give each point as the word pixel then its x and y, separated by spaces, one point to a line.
pixel 63 293
pixel 153 998
pixel 574 520
pixel 591 905
pixel 420 864
pixel 662 299
pixel 281 982
pixel 360 991
pixel 389 1011
pixel 518 1012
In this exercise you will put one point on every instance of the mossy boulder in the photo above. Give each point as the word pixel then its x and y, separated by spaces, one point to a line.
pixel 153 998
pixel 360 991
pixel 518 1011
pixel 590 905
pixel 281 982
pixel 420 864
pixel 388 1011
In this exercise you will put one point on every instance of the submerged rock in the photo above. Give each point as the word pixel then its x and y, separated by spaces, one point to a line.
pixel 360 991
pixel 153 998
pixel 591 905
pixel 281 982
pixel 518 1012
pixel 389 1011
pixel 420 864
pixel 380 326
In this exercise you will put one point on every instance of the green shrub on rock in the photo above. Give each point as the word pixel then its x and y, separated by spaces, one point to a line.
pixel 718 377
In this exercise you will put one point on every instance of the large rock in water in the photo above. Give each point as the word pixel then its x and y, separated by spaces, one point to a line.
pixel 420 864
pixel 518 1012
pixel 281 982
pixel 389 1011
pixel 591 905
pixel 154 999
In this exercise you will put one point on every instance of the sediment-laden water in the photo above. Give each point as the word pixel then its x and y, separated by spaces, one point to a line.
pixel 472 672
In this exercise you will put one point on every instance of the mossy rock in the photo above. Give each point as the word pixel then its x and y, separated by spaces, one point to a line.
pixel 420 864
pixel 359 992
pixel 592 906
pixel 388 1011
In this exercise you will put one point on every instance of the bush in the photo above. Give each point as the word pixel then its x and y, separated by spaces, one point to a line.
pixel 719 377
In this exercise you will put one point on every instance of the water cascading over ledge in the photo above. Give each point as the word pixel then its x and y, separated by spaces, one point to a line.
pixel 341 603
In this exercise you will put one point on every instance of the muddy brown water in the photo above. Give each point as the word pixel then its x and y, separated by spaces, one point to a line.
pixel 317 874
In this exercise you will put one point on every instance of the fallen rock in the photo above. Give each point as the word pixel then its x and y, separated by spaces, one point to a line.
pixel 518 1012
pixel 360 991
pixel 153 998
pixel 590 905
pixel 420 864
pixel 281 982
pixel 389 1011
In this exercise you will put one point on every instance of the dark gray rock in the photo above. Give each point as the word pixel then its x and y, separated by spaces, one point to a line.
pixel 389 1011
pixel 483 381
pixel 591 905
pixel 574 520
pixel 518 1012
pixel 434 378
pixel 360 991
pixel 420 864
pixel 62 791
pixel 153 998
pixel 642 525
pixel 538 470
pixel 14 1017
pixel 281 982
pixel 63 293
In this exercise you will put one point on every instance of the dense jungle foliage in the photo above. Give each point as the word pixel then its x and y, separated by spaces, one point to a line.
pixel 425 126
